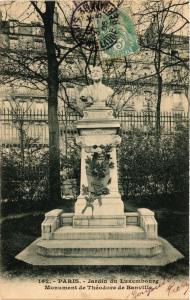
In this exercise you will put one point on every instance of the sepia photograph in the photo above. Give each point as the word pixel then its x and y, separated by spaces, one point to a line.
pixel 94 149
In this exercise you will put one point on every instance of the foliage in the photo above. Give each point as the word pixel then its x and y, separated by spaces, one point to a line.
pixel 151 167
pixel 70 172
pixel 90 197
pixel 97 167
pixel 24 182
pixel 70 163
pixel 100 162
pixel 180 170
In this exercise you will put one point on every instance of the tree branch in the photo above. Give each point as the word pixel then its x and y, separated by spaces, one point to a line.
pixel 34 3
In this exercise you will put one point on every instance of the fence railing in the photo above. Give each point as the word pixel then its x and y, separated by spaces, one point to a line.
pixel 25 173
pixel 16 124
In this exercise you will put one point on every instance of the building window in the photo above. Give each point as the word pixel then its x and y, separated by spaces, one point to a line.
pixel 13 26
pixel 37 30
pixel 13 43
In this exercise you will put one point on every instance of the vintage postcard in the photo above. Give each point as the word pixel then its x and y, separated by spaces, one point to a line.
pixel 94 149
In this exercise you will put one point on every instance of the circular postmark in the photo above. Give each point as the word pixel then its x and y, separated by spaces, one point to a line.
pixel 93 24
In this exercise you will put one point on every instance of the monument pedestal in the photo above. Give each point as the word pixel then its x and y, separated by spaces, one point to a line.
pixel 98 127
pixel 62 243
pixel 109 236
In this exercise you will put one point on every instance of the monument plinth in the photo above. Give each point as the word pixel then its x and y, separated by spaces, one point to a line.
pixel 99 128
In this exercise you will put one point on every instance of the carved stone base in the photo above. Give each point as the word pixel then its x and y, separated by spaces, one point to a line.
pixel 104 248
pixel 126 239
pixel 168 255
pixel 99 221
pixel 112 205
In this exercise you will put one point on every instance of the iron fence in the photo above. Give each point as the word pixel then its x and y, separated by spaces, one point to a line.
pixel 25 169
pixel 15 125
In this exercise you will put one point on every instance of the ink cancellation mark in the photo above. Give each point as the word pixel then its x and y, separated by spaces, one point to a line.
pixel 93 25
pixel 127 42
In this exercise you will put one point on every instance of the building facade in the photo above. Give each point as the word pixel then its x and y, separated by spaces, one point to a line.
pixel 135 78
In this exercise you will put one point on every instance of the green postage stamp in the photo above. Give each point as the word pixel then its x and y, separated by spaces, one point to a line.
pixel 123 31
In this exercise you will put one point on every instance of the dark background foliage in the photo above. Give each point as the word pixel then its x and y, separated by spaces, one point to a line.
pixel 152 168
pixel 152 171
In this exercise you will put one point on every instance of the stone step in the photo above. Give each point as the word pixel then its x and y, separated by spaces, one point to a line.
pixel 100 248
pixel 130 232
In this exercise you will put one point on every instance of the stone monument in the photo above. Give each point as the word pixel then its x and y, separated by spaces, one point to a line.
pixel 99 128
pixel 99 232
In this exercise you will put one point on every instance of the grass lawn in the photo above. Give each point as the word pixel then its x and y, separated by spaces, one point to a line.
pixel 19 232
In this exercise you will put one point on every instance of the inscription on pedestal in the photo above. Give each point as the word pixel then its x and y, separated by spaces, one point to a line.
pixel 98 132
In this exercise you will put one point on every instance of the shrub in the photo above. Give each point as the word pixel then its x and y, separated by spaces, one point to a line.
pixel 148 166
pixel 70 172
pixel 70 163
pixel 24 178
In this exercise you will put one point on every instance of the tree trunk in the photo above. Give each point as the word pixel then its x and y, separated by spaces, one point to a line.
pixel 53 86
pixel 158 106
pixel 21 137
pixel 157 65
